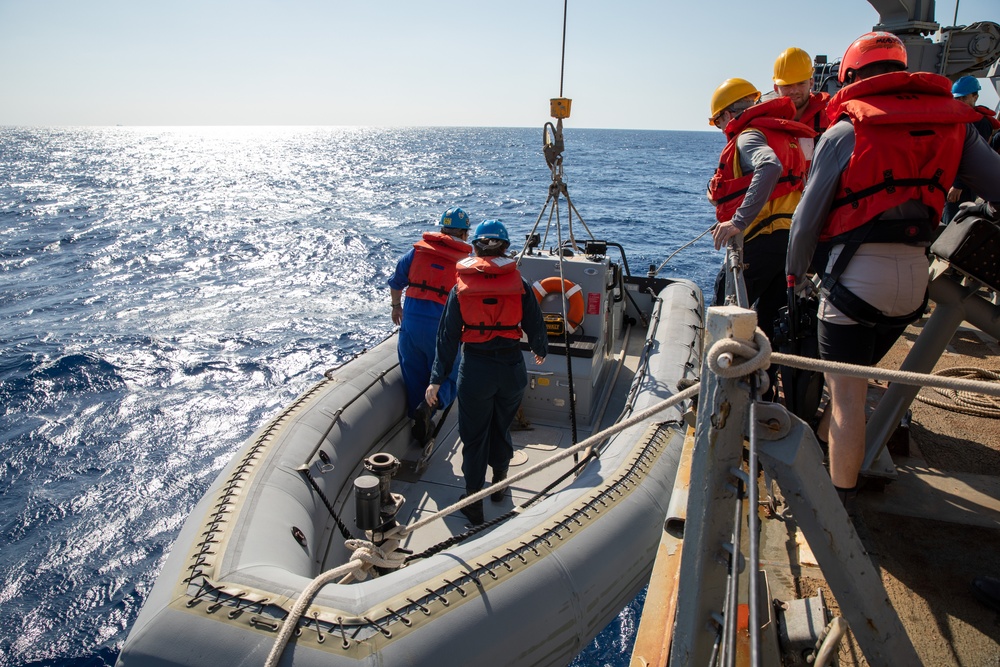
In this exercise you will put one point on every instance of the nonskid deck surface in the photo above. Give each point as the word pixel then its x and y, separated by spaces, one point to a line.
pixel 441 482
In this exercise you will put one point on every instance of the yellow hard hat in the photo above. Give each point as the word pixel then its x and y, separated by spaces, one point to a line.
pixel 793 66
pixel 730 91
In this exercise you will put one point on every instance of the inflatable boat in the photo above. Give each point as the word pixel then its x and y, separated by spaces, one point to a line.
pixel 337 473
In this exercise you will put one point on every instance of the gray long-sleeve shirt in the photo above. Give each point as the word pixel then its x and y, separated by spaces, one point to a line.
pixel 979 168
pixel 758 158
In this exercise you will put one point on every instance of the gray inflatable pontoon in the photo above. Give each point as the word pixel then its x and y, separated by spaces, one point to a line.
pixel 531 589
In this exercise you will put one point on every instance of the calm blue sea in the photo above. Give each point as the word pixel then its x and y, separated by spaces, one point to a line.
pixel 163 291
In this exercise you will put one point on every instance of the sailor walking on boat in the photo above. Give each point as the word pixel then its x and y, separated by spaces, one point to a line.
pixel 427 273
pixel 755 189
pixel 876 190
pixel 485 314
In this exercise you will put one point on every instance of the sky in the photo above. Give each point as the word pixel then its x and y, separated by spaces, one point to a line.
pixel 629 64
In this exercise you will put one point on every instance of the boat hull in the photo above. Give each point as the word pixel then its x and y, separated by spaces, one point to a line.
pixel 533 590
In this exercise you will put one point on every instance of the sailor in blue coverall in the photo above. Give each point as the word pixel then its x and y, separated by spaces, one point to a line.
pixel 427 273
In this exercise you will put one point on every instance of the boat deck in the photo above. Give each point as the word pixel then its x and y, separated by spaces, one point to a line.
pixel 440 483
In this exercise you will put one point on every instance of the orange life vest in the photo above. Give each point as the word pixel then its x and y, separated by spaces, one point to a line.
pixel 909 134
pixel 729 185
pixel 489 296
pixel 814 115
pixel 432 273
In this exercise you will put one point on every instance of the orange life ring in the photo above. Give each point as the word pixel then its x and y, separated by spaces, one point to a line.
pixel 572 292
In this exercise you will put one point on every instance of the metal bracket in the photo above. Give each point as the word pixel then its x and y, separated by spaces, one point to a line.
pixel 795 463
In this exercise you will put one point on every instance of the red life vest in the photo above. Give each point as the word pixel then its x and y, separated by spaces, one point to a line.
pixel 729 186
pixel 990 115
pixel 489 297
pixel 432 273
pixel 814 115
pixel 909 133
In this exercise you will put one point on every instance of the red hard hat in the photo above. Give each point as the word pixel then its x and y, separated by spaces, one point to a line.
pixel 872 47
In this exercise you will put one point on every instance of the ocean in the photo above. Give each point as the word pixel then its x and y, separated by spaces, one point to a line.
pixel 164 291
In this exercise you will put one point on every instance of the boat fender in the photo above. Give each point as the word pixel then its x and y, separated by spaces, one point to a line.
pixel 571 291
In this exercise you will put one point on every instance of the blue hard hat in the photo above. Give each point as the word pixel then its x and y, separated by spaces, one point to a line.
pixel 490 229
pixel 455 218
pixel 965 86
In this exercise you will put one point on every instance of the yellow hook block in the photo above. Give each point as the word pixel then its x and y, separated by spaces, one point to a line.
pixel 559 107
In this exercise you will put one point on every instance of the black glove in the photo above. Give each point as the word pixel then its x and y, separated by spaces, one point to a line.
pixel 983 210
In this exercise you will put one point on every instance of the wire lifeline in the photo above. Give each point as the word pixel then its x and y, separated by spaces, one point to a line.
pixel 686 245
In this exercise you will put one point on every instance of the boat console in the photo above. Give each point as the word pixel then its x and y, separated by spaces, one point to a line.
pixel 588 303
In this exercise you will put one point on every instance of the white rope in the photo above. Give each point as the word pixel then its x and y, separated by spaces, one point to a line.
pixel 292 620
pixel 885 375
pixel 566 453
pixel 366 555
pixel 721 357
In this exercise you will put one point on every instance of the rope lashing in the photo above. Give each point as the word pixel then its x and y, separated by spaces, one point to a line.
pixel 383 556
pixel 366 556
pixel 966 402
pixel 723 353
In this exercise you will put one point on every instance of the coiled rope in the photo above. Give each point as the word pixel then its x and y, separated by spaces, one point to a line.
pixel 965 402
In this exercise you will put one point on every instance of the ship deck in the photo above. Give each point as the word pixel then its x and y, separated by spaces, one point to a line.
pixel 930 531
pixel 930 527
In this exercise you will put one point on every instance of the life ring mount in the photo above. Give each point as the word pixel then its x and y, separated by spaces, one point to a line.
pixel 573 294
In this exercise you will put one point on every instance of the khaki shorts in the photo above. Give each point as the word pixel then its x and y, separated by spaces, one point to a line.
pixel 890 276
